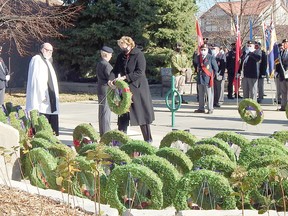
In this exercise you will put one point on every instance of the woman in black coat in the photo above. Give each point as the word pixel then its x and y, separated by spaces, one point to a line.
pixel 130 66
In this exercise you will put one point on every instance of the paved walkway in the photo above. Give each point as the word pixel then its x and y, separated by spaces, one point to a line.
pixel 225 118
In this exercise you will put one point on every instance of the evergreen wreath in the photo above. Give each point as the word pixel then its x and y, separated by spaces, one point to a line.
pixel 215 163
pixel 117 156
pixel 122 106
pixel 40 167
pixel 114 135
pixel 44 124
pixel 216 189
pixel 198 151
pixel 244 109
pixel 81 132
pixel 47 135
pixel 120 175
pixel 221 145
pixel 34 114
pixel 259 152
pixel 166 172
pixel 178 135
pixel 233 138
pixel 281 136
pixel 41 142
pixel 268 161
pixel 60 150
pixel 176 157
pixel 138 146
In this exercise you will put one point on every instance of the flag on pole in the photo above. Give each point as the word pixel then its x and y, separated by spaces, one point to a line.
pixel 199 36
pixel 250 29
pixel 271 46
pixel 236 82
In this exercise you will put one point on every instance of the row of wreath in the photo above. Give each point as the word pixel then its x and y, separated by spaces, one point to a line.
pixel 212 157
pixel 205 156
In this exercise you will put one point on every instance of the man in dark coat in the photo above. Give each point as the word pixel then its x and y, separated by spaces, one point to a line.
pixel 207 66
pixel 103 70
pixel 230 65
pixel 262 72
pixel 219 75
pixel 131 66
pixel 249 70
pixel 283 74
pixel 4 78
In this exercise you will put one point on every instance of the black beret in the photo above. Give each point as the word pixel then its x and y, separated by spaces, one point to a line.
pixel 233 44
pixel 204 46
pixel 215 45
pixel 250 42
pixel 285 40
pixel 107 49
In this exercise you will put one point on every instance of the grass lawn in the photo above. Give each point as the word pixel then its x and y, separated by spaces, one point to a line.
pixel 17 97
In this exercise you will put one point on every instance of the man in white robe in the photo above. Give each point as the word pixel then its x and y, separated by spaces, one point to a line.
pixel 42 91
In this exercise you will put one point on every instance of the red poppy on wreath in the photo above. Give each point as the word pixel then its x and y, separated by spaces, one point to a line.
pixel 30 132
pixel 76 143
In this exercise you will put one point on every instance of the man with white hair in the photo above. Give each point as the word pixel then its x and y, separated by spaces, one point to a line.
pixel 103 70
pixel 42 92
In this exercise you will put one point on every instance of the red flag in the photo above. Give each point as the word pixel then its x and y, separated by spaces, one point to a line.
pixel 237 58
pixel 199 36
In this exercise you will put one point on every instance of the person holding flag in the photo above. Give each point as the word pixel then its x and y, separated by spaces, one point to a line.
pixel 207 66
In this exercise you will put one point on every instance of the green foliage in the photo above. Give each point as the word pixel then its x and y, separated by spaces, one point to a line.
pixel 114 135
pixel 121 175
pixel 176 157
pixel 213 189
pixel 178 135
pixel 233 138
pixel 138 146
pixel 166 172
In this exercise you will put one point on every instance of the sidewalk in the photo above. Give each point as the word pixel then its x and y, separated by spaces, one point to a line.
pixel 225 118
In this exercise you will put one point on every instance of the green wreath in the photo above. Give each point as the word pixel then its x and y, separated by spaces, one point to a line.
pixel 217 190
pixel 47 135
pixel 114 135
pixel 178 135
pixel 176 157
pixel 221 145
pixel 166 172
pixel 120 175
pixel 273 160
pixel 40 167
pixel 245 108
pixel 233 138
pixel 198 151
pixel 60 150
pixel 40 142
pixel 44 124
pixel 81 132
pixel 215 163
pixel 262 181
pixel 117 156
pixel 34 114
pixel 138 146
pixel 22 115
pixel 124 102
pixel 281 136
pixel 258 152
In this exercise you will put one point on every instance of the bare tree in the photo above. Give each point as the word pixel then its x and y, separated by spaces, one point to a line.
pixel 25 21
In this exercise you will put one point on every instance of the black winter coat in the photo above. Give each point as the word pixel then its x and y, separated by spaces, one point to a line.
pixel 133 66
pixel 250 65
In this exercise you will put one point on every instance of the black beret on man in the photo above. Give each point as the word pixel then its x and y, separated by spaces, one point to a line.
pixel 250 42
pixel 285 40
pixel 107 49
pixel 204 46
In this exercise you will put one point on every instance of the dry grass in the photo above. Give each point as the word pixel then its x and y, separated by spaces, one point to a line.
pixel 17 97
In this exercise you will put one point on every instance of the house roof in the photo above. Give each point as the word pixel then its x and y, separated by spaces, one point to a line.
pixel 249 7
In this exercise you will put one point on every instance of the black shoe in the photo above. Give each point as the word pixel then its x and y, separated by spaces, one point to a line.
pixel 238 96
pixel 217 105
pixel 281 109
pixel 184 102
pixel 199 111
pixel 259 100
pixel 230 97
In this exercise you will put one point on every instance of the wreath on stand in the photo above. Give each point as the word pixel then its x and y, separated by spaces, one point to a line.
pixel 119 99
pixel 251 112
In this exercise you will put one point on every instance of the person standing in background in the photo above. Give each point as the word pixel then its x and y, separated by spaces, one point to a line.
pixel 219 75
pixel 180 64
pixel 103 70
pixel 4 78
pixel 42 91
pixel 262 72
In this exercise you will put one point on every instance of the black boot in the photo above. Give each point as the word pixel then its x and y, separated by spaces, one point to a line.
pixel 183 101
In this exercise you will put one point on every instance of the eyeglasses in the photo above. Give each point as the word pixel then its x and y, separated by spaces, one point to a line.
pixel 48 50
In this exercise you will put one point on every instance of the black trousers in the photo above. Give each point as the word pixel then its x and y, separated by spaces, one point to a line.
pixel 54 122
pixel 123 123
